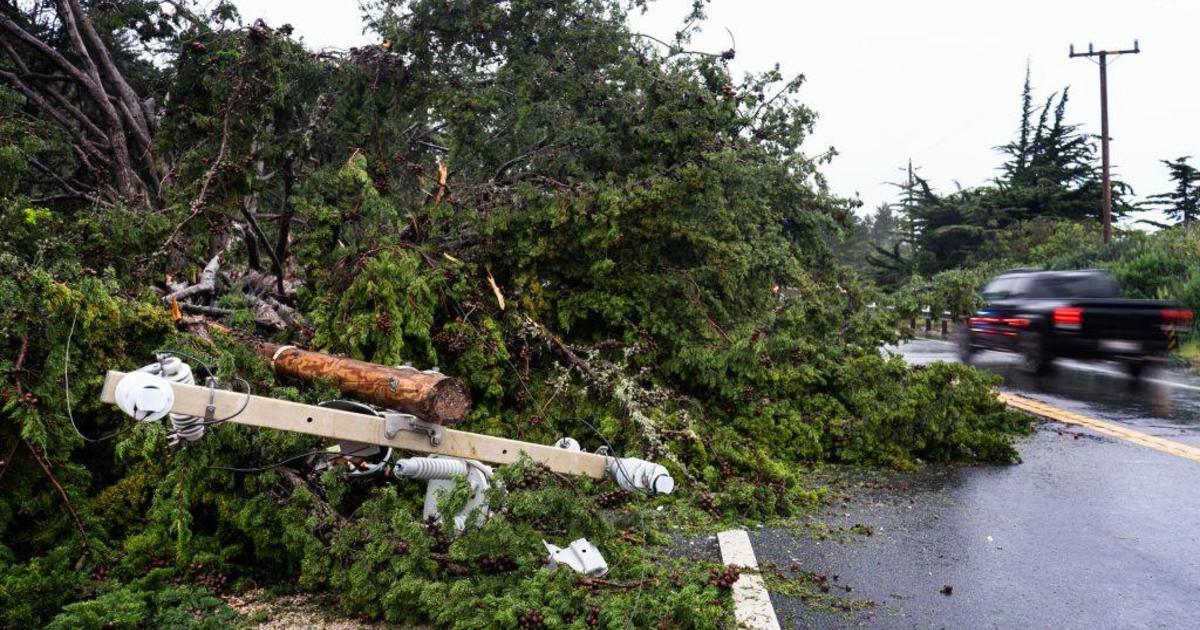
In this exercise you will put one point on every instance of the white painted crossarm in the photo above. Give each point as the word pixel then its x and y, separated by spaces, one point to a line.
pixel 336 424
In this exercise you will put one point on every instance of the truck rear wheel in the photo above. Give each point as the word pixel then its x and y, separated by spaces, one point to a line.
pixel 1136 368
pixel 966 351
pixel 1036 355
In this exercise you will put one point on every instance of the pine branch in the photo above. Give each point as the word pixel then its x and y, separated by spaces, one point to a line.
pixel 87 547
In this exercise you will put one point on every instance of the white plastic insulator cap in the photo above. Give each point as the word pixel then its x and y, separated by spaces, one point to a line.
pixel 567 443
pixel 635 474
pixel 144 396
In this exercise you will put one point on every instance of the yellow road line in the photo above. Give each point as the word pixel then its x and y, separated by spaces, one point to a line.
pixel 1057 414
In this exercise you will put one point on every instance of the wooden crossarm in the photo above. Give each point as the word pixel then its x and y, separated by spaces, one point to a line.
pixel 348 426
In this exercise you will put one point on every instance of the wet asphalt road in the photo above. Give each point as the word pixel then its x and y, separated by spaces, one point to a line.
pixel 1087 532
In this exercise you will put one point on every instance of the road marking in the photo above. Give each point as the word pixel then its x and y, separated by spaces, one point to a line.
pixel 751 602
pixel 1160 381
pixel 1086 367
pixel 1118 431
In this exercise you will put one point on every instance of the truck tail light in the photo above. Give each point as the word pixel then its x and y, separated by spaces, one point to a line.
pixel 1016 322
pixel 1177 316
pixel 1068 317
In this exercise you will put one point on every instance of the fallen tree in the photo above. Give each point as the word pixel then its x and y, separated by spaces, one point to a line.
pixel 581 224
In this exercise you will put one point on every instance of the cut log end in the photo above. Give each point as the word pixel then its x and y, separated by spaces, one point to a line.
pixel 451 401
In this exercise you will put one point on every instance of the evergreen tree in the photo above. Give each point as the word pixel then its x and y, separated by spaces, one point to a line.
pixel 583 223
pixel 877 245
pixel 1181 205
pixel 1049 172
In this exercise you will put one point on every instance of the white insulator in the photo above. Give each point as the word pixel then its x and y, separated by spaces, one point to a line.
pixel 145 396
pixel 633 474
pixel 177 371
pixel 187 428
pixel 441 475
pixel 173 369
pixel 430 468
pixel 567 443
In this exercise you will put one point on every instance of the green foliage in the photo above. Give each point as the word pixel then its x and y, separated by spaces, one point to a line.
pixel 1049 177
pixel 1162 265
pixel 150 602
pixel 1182 204
pixel 604 252
pixel 384 316
pixel 955 291
pixel 392 566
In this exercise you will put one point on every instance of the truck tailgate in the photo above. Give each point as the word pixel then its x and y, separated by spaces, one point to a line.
pixel 1137 320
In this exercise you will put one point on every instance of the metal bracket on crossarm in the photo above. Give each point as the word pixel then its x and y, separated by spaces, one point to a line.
pixel 394 423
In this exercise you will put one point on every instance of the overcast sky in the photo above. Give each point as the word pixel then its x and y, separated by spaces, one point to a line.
pixel 937 81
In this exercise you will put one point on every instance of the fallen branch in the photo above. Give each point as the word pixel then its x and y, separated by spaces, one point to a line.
pixel 563 348
pixel 297 482
pixel 440 192
pixel 266 244
pixel 207 283
pixel 7 461
pixel 495 289
pixel 285 223
pixel 87 548
pixel 21 357
pixel 211 311
pixel 266 313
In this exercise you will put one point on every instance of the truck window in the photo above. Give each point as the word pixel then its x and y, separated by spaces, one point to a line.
pixel 998 289
pixel 1076 285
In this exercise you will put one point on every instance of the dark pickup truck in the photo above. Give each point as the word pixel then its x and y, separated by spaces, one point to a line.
pixel 1044 315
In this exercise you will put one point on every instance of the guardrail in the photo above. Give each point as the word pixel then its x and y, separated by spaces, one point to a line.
pixel 944 321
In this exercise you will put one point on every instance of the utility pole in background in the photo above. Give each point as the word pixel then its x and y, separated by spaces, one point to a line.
pixel 1106 194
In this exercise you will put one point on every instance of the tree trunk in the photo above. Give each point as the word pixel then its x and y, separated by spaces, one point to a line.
pixel 432 396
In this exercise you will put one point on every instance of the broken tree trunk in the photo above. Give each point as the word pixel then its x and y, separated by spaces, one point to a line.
pixel 432 396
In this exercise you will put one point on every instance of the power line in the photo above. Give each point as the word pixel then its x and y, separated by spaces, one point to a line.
pixel 1106 193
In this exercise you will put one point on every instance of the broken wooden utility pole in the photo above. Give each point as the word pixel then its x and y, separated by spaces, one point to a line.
pixel 149 398
pixel 1106 193
pixel 429 395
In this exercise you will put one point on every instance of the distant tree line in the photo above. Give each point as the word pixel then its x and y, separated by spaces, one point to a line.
pixel 1051 171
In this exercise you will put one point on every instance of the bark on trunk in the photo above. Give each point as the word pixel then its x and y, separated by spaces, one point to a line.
pixel 432 396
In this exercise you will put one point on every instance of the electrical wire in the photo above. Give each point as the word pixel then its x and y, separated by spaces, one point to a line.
pixel 178 353
pixel 212 382
pixel 67 392
pixel 616 459
pixel 290 460
pixel 245 403
pixel 268 466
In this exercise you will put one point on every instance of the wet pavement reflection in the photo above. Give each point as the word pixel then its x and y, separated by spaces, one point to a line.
pixel 1087 532
pixel 1164 402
